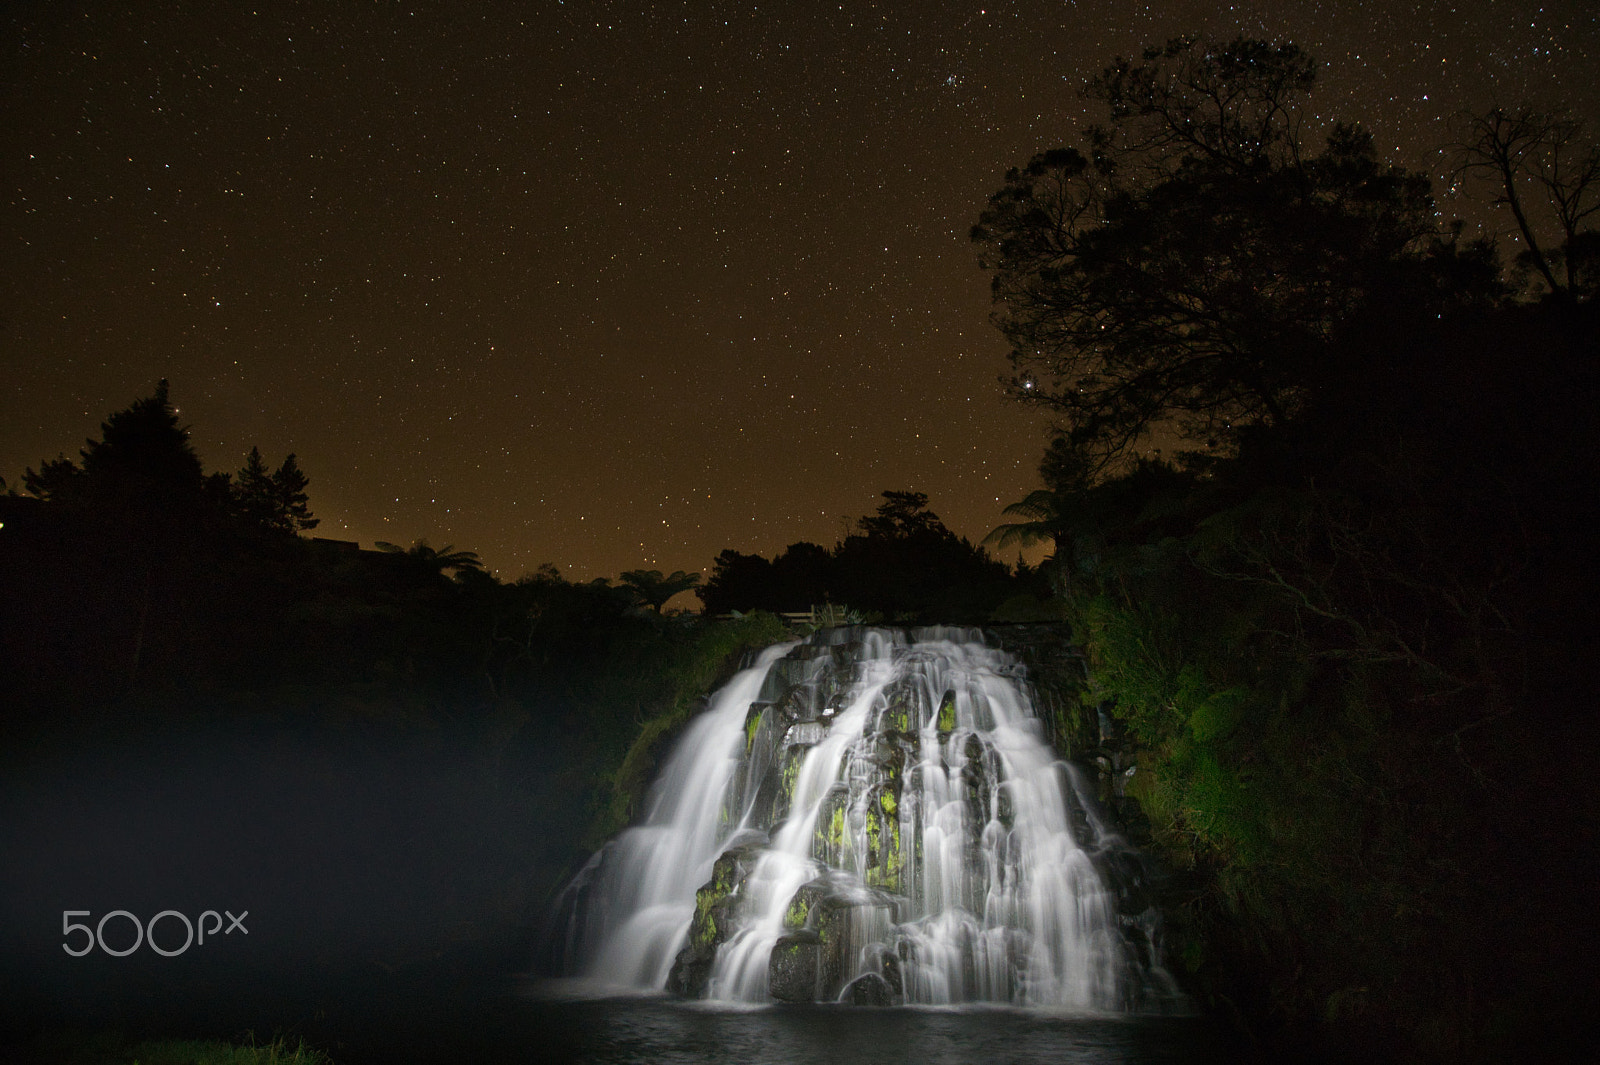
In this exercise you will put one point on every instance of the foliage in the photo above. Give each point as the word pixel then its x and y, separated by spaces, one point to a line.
pixel 705 663
pixel 444 559
pixel 1539 165
pixel 113 1049
pixel 1191 272
pixel 653 589
pixel 275 501
pixel 1343 641
pixel 900 563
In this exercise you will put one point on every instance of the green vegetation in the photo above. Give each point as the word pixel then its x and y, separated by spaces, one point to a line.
pixel 900 565
pixel 511 725
pixel 1343 634
pixel 105 1048
pixel 697 670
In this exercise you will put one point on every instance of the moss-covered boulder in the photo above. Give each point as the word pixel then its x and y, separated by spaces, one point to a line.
pixel 798 914
pixel 715 911
pixel 792 972
pixel 884 859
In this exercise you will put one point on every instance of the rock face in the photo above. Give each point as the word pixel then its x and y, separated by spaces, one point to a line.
pixel 794 967
pixel 893 828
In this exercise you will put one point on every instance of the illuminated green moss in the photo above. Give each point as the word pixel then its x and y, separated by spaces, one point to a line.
pixel 884 864
pixel 947 712
pixel 799 910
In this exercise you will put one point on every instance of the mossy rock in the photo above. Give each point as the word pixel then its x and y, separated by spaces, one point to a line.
pixel 754 719
pixel 794 967
pixel 790 759
pixel 884 857
pixel 945 721
pixel 832 840
pixel 715 903
pixel 804 900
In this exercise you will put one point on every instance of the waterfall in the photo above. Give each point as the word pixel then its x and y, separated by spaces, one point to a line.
pixel 875 818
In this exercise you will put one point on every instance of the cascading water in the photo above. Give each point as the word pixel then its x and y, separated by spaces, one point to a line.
pixel 868 818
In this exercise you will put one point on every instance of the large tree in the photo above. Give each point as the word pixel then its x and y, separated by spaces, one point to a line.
pixel 143 459
pixel 1544 171
pixel 1191 269
pixel 275 500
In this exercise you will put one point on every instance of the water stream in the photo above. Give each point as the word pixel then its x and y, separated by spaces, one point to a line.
pixel 870 817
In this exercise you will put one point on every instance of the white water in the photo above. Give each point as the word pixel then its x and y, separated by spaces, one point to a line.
pixel 642 905
pixel 946 857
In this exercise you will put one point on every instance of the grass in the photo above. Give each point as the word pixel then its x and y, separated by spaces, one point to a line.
pixel 110 1048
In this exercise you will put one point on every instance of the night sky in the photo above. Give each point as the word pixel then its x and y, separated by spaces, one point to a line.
pixel 608 285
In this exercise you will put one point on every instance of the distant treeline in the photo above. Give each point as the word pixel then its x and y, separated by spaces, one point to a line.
pixel 900 564
pixel 149 602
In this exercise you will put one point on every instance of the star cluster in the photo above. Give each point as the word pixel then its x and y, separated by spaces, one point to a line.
pixel 611 285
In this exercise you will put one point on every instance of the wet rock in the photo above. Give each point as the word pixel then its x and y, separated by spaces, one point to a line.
pixel 715 915
pixel 798 915
pixel 868 989
pixel 846 922
pixel 800 705
pixel 691 972
pixel 831 838
pixel 793 968
pixel 889 966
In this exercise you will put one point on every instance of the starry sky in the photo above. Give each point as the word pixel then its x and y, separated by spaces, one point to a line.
pixel 610 285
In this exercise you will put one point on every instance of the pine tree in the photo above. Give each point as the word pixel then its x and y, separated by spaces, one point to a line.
pixel 253 492
pixel 289 493
pixel 143 460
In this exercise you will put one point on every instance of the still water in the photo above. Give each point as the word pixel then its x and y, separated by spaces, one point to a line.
pixel 541 1023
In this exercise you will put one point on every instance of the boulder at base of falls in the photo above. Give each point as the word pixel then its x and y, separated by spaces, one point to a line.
pixel 794 966
pixel 846 921
pixel 868 989
pixel 691 972
pixel 716 906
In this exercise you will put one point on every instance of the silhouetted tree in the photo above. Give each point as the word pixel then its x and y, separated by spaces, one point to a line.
pixel 58 480
pixel 1192 270
pixel 143 460
pixel 901 516
pixel 253 494
pixel 800 578
pixel 904 563
pixel 738 582
pixel 654 590
pixel 1540 167
pixel 289 492
pixel 441 560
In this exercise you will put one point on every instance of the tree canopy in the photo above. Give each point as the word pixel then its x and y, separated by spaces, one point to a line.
pixel 653 589
pixel 144 463
pixel 1191 269
pixel 1339 646
pixel 1539 165
pixel 143 457
pixel 900 563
